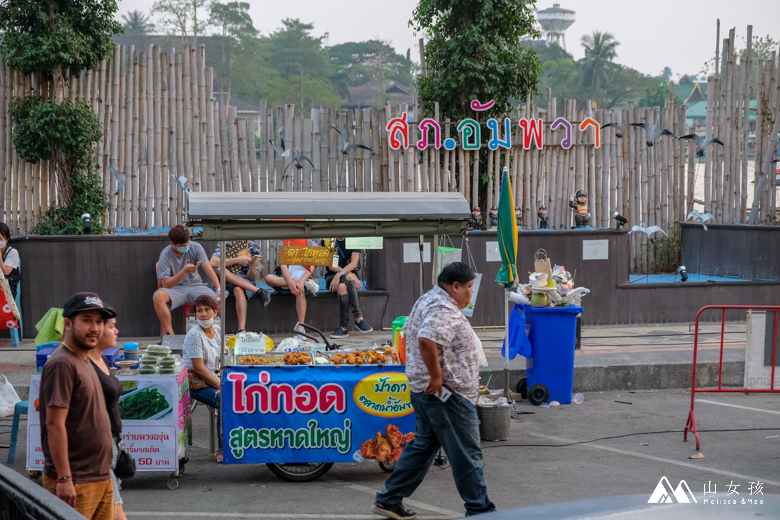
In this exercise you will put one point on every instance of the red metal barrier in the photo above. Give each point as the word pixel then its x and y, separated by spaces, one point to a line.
pixel 690 426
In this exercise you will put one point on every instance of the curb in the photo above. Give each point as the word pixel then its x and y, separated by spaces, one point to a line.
pixel 636 377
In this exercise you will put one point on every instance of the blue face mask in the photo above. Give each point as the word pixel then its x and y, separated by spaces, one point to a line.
pixel 183 249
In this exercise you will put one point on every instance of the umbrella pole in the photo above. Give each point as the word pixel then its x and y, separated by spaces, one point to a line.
pixel 506 341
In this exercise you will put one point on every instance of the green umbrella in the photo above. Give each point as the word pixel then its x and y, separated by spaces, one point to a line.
pixel 507 234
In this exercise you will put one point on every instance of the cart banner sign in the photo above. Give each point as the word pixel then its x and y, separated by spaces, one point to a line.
pixel 315 414
pixel 156 424
pixel 305 255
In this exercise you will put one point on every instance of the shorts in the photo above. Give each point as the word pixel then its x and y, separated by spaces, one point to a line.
pixel 285 290
pixel 181 294
pixel 229 287
pixel 331 274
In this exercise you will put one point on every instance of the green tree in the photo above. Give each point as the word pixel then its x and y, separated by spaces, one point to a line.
pixel 599 52
pixel 305 91
pixel 237 34
pixel 295 52
pixel 136 22
pixel 58 39
pixel 182 17
pixel 370 62
pixel 474 52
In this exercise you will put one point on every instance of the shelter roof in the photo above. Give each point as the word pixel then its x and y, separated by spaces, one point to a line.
pixel 269 215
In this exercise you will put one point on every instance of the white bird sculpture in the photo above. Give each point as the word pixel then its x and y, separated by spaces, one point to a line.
pixel 649 231
pixel 701 218
pixel 181 181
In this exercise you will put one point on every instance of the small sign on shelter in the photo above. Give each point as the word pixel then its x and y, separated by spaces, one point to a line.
pixel 305 255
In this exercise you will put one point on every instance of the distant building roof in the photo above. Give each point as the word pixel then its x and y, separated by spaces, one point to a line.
pixel 699 110
pixel 365 96
pixel 240 104
pixel 690 94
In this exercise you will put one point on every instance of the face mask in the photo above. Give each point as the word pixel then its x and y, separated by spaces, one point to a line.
pixel 183 249
pixel 2 243
pixel 206 323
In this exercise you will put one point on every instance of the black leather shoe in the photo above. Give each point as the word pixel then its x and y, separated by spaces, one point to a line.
pixel 396 511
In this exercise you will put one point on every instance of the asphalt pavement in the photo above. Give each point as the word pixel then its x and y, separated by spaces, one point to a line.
pixel 600 448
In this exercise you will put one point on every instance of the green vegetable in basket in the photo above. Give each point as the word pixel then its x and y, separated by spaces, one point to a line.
pixel 142 404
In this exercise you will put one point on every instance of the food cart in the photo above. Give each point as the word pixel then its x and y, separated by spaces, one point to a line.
pixel 299 419
pixel 156 424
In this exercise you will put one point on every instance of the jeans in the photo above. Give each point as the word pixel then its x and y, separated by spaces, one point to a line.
pixel 454 426
pixel 210 397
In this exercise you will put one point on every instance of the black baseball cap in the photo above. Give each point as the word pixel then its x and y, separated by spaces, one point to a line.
pixel 86 301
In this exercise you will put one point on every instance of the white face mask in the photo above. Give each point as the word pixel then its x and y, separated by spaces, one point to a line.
pixel 2 243
pixel 206 323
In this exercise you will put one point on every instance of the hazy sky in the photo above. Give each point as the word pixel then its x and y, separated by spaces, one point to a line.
pixel 679 34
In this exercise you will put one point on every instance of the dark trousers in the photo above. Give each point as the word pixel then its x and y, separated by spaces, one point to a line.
pixel 454 426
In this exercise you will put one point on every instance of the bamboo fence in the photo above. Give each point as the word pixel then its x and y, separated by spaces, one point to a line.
pixel 160 116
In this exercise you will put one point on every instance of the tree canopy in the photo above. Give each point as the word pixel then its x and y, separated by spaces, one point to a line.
pixel 474 52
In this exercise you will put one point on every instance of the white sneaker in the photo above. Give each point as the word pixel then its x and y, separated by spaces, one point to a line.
pixel 312 286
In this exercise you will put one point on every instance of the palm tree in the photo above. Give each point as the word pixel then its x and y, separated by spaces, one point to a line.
pixel 137 23
pixel 599 53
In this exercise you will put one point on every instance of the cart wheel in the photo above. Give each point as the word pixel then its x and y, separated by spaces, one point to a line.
pixel 538 394
pixel 387 466
pixel 173 483
pixel 300 472
pixel 522 388
pixel 442 461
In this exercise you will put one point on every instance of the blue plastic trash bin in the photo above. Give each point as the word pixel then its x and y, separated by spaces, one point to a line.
pixel 553 332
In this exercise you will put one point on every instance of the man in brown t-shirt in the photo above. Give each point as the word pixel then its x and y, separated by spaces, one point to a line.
pixel 75 429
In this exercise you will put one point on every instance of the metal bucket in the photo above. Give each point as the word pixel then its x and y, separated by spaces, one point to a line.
pixel 494 422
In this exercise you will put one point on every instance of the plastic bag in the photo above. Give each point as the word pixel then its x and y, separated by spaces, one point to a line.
pixel 574 297
pixel 8 398
pixel 483 362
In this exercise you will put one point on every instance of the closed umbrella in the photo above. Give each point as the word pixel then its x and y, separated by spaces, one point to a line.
pixel 507 246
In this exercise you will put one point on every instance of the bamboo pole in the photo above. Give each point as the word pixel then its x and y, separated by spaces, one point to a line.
pixel 186 94
pixel 176 137
pixel 380 147
pixel 235 171
pixel 252 155
pixel 289 118
pixel 745 105
pixel 131 188
pixel 203 114
pixel 114 152
pixel 154 192
pixel 165 68
pixel 243 166
pixel 147 169
pixel 225 147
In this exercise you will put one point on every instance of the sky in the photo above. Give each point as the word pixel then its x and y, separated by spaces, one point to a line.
pixel 679 34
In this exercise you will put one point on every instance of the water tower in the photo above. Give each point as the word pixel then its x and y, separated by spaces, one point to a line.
pixel 555 21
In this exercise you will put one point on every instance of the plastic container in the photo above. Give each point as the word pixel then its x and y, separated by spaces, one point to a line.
pixel 577 398
pixel 552 336
pixel 402 348
pixel 398 325
pixel 42 356
pixel 494 422
pixel 131 351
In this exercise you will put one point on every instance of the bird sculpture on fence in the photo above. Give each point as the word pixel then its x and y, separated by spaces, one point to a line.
pixel 298 162
pixel 618 129
pixel 702 141
pixel 121 180
pixel 653 132
pixel 181 181
pixel 701 218
pixel 649 231
pixel 280 150
pixel 345 146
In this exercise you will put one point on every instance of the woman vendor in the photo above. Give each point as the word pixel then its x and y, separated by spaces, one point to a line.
pixel 200 353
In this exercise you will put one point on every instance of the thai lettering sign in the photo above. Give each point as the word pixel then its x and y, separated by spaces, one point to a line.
pixel 470 132
pixel 305 255
pixel 315 414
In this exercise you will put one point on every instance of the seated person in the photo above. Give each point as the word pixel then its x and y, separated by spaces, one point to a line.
pixel 241 267
pixel 9 261
pixel 200 354
pixel 343 280
pixel 177 270
pixel 297 280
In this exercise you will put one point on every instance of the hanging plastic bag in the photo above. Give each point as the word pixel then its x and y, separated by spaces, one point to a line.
pixel 483 362
pixel 574 297
pixel 8 398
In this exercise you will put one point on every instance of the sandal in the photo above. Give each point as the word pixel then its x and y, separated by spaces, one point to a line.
pixel 219 456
